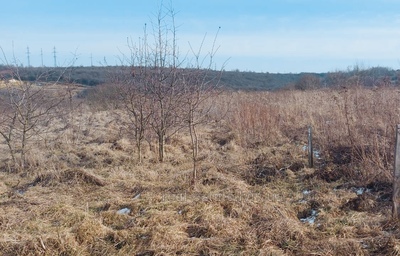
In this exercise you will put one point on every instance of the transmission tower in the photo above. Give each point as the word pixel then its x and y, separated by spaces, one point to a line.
pixel 41 56
pixel 27 54
pixel 55 56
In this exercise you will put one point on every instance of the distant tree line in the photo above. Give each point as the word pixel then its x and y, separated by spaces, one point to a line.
pixel 89 76
pixel 372 77
pixel 236 80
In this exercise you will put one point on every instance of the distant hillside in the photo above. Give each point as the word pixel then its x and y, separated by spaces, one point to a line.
pixel 237 80
pixel 257 81
pixel 376 76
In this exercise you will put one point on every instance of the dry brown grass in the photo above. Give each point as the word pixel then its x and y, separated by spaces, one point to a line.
pixel 353 127
pixel 254 195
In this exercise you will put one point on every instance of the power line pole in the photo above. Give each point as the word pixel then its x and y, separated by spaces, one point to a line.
pixel 41 56
pixel 55 56
pixel 27 54
pixel 91 59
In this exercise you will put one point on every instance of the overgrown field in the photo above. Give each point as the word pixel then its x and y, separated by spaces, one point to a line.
pixel 83 191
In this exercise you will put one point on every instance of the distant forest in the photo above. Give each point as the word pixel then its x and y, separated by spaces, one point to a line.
pixel 236 80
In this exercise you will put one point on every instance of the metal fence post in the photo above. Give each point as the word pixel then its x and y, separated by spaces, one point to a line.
pixel 310 148
pixel 396 177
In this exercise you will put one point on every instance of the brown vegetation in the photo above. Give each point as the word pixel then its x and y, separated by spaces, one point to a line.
pixel 86 194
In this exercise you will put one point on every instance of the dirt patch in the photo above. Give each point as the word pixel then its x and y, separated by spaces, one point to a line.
pixel 260 175
pixel 223 138
pixel 383 190
pixel 71 176
pixel 198 231
pixel 331 173
pixel 361 203
pixel 261 171
pixel 296 166
pixel 341 155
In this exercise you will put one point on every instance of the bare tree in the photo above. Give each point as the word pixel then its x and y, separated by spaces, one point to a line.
pixel 137 103
pixel 162 91
pixel 27 109
pixel 165 84
pixel 152 91
pixel 308 81
pixel 201 84
pixel 197 108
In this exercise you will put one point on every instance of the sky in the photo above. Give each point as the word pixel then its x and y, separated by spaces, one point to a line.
pixel 276 36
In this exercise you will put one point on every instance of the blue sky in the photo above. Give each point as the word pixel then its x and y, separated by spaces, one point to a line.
pixel 256 35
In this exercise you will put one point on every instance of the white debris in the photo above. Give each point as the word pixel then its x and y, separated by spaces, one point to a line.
pixel 124 211
pixel 310 219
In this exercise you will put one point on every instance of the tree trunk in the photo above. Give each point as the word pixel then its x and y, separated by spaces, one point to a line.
pixel 23 148
pixel 161 142
pixel 195 150
pixel 139 150
pixel 195 145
